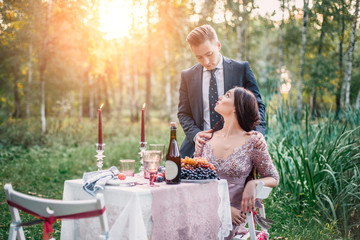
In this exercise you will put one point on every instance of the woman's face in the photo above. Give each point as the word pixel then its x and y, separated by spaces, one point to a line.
pixel 225 105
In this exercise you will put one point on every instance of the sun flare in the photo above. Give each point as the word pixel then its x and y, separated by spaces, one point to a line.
pixel 117 17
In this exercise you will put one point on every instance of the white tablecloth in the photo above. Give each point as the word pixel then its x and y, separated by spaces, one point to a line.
pixel 129 212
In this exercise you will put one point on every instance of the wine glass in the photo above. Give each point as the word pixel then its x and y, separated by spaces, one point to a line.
pixel 152 159
pixel 159 147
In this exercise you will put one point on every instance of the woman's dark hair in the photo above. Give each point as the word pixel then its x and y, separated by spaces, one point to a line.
pixel 247 110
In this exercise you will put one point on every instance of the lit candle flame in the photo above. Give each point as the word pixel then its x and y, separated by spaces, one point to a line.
pixel 144 105
pixel 101 106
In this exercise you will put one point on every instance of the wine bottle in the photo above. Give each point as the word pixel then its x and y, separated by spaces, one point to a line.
pixel 173 158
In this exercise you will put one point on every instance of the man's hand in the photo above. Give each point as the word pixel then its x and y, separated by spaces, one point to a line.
pixel 259 139
pixel 202 137
pixel 237 216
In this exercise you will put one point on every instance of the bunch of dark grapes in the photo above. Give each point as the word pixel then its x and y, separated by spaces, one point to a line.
pixel 198 173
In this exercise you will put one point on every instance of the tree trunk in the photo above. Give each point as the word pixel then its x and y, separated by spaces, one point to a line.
pixel 136 90
pixel 167 79
pixel 128 84
pixel 7 105
pixel 347 78
pixel 42 67
pixel 339 93
pixel 29 79
pixel 205 12
pixel 313 106
pixel 241 26
pixel 247 7
pixel 99 92
pixel 239 41
pixel 105 90
pixel 302 56
pixel 148 63
pixel 281 55
pixel 293 80
pixel 17 112
pixel 81 94
pixel 110 89
pixel 120 81
pixel 42 101
pixel 91 96
pixel 313 102
pixel 357 105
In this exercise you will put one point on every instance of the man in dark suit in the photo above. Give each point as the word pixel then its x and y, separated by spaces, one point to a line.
pixel 213 76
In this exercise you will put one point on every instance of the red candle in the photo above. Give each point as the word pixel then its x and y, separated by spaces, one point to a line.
pixel 100 125
pixel 143 123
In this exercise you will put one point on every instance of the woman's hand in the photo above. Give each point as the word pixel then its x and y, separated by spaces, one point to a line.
pixel 248 197
pixel 237 216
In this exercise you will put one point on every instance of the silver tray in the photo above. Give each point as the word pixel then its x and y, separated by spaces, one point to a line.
pixel 197 181
pixel 128 182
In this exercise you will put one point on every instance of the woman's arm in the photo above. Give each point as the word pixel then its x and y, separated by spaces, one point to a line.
pixel 269 176
pixel 248 198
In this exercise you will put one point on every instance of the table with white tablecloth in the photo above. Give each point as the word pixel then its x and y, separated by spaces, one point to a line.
pixel 129 210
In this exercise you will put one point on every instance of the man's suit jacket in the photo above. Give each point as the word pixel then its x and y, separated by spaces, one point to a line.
pixel 190 109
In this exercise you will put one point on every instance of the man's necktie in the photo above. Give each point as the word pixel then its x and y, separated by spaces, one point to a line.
pixel 213 98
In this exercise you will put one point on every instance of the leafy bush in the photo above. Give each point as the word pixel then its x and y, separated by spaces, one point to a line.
pixel 17 132
pixel 318 162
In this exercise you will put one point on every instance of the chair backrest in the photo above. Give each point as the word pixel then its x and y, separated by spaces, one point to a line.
pixel 261 191
pixel 53 208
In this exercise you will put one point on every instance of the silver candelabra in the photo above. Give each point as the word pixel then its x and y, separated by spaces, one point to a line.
pixel 99 156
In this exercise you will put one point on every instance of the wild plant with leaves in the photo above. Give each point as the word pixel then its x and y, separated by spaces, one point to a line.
pixel 319 166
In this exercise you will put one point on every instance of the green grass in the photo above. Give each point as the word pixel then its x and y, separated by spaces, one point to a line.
pixel 64 154
pixel 318 162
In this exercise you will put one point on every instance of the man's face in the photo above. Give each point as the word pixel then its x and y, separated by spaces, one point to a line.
pixel 207 53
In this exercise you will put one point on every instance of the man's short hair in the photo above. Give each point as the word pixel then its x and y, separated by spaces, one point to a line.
pixel 200 34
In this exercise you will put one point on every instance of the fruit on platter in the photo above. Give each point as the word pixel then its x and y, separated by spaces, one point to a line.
pixel 197 169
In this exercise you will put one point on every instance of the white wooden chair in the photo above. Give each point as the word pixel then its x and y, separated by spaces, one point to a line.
pixel 45 208
pixel 262 192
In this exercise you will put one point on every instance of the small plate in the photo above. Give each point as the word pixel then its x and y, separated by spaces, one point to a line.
pixel 197 181
pixel 128 182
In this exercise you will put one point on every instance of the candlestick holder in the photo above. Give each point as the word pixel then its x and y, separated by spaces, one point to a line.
pixel 100 148
pixel 141 153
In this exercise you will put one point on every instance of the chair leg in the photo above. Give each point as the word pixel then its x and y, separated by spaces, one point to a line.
pixel 12 232
pixel 262 211
pixel 251 225
pixel 16 231
pixel 103 237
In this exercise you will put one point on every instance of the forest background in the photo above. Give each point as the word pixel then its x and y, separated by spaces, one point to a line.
pixel 61 59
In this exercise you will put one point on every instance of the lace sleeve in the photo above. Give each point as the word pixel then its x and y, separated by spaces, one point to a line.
pixel 263 163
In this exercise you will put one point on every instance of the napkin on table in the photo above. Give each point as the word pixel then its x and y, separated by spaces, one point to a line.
pixel 94 181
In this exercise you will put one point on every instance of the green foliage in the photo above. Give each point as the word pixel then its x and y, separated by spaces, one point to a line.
pixel 319 162
pixel 19 133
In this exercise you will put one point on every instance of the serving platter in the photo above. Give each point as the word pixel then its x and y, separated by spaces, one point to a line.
pixel 128 182
pixel 197 181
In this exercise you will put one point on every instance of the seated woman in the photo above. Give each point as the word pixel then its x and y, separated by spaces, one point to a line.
pixel 231 150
